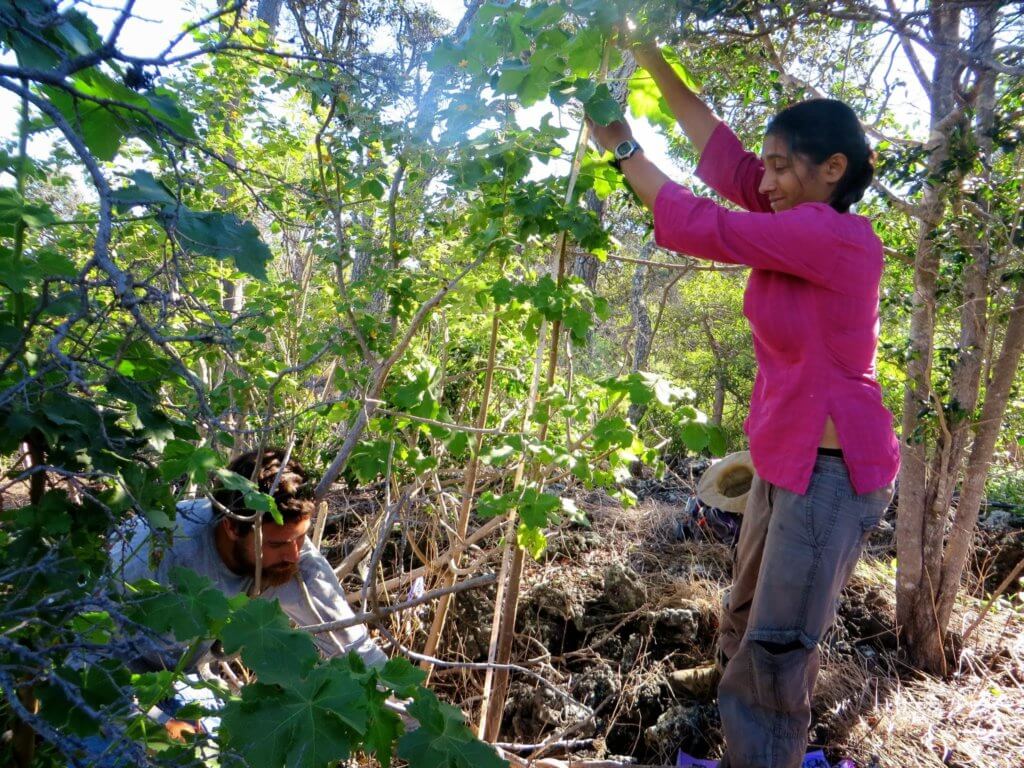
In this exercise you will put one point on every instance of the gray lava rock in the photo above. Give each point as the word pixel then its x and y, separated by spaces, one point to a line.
pixel 572 543
pixel 555 600
pixel 679 727
pixel 595 685
pixel 623 589
pixel 535 711
pixel 471 621
pixel 996 520
pixel 548 612
pixel 677 624
pixel 631 650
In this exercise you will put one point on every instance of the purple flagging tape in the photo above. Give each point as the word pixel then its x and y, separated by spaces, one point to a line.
pixel 811 760
pixel 685 761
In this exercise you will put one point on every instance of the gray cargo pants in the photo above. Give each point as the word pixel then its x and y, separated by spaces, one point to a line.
pixel 794 555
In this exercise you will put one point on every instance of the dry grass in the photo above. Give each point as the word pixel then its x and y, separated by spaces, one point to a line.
pixel 869 705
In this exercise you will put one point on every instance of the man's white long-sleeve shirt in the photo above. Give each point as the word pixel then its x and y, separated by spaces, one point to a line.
pixel 314 596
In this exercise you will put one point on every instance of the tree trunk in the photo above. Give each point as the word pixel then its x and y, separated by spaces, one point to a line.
pixel 718 407
pixel 641 326
pixel 997 395
pixel 585 266
pixel 932 554
pixel 269 11
pixel 921 522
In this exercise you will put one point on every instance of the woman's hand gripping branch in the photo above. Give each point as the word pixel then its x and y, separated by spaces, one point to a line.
pixel 694 116
pixel 643 176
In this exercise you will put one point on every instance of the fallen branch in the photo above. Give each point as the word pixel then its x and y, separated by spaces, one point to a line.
pixel 567 745
pixel 482 665
pixel 548 762
pixel 480 533
pixel 1010 578
pixel 380 613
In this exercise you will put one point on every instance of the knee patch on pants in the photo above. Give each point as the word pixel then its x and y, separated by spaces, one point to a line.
pixel 783 674
pixel 780 648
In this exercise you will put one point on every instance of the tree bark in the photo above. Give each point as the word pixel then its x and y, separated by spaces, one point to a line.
pixel 993 410
pixel 641 326
pixel 269 12
pixel 920 524
pixel 932 553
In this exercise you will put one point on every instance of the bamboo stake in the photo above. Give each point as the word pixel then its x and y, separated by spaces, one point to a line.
pixel 496 682
pixel 468 490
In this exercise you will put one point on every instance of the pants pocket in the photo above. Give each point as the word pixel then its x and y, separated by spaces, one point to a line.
pixel 872 508
pixel 821 509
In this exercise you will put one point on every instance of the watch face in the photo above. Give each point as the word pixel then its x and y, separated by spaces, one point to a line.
pixel 623 148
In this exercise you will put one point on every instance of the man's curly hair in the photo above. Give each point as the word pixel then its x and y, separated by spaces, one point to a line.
pixel 293 493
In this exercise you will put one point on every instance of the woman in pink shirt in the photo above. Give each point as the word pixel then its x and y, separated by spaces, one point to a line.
pixel 821 440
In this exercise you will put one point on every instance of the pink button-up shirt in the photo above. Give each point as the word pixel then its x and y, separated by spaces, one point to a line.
pixel 812 303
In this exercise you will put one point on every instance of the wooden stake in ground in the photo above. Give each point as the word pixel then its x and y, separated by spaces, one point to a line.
pixel 496 682
pixel 468 490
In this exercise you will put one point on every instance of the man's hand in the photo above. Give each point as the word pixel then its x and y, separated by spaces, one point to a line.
pixel 611 135
pixel 180 730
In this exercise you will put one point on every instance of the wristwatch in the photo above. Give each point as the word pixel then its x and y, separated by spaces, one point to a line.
pixel 623 151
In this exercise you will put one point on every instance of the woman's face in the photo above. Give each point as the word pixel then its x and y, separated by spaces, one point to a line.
pixel 790 179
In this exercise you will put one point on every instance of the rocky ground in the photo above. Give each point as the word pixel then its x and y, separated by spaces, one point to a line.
pixel 612 610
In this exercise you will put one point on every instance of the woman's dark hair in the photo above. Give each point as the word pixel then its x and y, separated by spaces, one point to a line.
pixel 818 129
pixel 292 494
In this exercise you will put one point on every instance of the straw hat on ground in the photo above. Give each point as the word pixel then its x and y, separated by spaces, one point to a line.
pixel 726 483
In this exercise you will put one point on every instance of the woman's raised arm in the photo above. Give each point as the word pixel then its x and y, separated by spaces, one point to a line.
pixel 694 116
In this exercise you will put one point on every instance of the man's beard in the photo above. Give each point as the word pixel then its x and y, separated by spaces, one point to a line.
pixel 274 576
pixel 279 574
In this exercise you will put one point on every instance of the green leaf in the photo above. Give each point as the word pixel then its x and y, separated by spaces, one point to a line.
pixel 14 275
pixel 11 204
pixel 192 610
pixel 146 190
pixel 584 52
pixel 401 676
pixel 457 444
pixel 222 236
pixel 645 100
pixel 183 458
pixel 535 507
pixel 531 539
pixel 695 436
pixel 93 626
pixel 502 291
pixel 53 264
pixel 369 460
pixel 512 75
pixel 716 440
pixel 612 432
pixel 153 687
pixel 443 740
pixel 489 505
pixel 270 646
pixel 415 396
pixel 672 57
pixel 382 731
pixel 307 723
pixel 255 501
pixel 544 14
pixel 373 188
pixel 164 106
pixel 602 107
pixel 14 209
